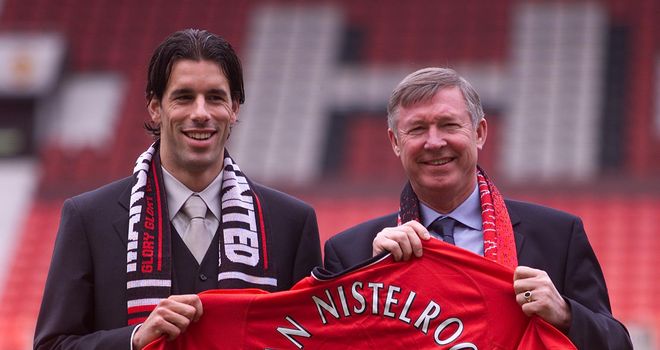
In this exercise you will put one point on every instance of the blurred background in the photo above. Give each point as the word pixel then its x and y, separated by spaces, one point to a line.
pixel 571 91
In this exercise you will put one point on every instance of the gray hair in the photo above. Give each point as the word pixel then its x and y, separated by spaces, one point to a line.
pixel 422 85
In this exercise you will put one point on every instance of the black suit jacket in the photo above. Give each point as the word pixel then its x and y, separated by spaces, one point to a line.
pixel 84 302
pixel 546 239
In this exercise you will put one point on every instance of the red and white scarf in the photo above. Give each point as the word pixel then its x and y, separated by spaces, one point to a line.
pixel 243 248
pixel 499 244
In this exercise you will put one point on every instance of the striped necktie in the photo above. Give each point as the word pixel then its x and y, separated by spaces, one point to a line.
pixel 444 228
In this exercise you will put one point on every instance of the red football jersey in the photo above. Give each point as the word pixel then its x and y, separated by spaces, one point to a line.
pixel 447 299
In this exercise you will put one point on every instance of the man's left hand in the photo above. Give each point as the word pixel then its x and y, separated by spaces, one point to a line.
pixel 537 295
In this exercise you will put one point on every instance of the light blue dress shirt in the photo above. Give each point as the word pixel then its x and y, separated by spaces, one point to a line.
pixel 468 231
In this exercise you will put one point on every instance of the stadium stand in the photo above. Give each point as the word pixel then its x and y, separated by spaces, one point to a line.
pixel 290 85
pixel 21 294
pixel 342 58
pixel 556 63
pixel 18 181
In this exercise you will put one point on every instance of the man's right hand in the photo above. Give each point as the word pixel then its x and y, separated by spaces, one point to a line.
pixel 402 241
pixel 170 318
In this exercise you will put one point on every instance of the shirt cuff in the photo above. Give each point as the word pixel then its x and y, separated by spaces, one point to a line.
pixel 133 334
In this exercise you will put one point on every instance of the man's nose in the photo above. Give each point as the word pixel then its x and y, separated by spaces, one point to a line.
pixel 435 138
pixel 200 109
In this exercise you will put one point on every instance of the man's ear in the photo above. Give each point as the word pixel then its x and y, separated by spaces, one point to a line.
pixel 394 141
pixel 154 110
pixel 482 132
pixel 235 106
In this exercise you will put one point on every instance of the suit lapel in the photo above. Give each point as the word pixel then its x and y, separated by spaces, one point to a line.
pixel 121 224
pixel 267 224
pixel 518 236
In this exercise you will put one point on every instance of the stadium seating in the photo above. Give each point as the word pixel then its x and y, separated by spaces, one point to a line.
pixel 390 39
pixel 20 297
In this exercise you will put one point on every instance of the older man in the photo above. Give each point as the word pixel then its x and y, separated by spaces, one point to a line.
pixel 436 128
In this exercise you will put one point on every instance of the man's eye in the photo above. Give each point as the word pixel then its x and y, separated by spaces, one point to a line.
pixel 216 98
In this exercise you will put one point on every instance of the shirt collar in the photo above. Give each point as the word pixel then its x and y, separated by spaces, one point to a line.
pixel 178 194
pixel 467 213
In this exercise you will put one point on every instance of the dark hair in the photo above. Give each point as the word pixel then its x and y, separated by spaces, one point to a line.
pixel 193 44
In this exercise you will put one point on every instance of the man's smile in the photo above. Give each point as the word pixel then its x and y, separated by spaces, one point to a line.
pixel 199 135
pixel 437 161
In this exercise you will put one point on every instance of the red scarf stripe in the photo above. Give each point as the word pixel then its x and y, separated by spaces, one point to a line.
pixel 141 308
pixel 136 320
pixel 499 244
pixel 159 261
pixel 264 244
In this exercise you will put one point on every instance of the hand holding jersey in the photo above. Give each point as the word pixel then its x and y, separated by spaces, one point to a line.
pixel 402 241
pixel 170 318
pixel 405 241
pixel 544 299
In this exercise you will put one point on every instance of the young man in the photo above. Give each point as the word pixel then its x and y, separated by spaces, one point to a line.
pixel 130 256
pixel 436 128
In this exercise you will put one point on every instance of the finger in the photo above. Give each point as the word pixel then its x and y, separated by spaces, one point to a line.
pixel 168 321
pixel 421 231
pixel 522 272
pixel 170 317
pixel 192 300
pixel 522 299
pixel 529 309
pixel 530 304
pixel 382 244
pixel 172 327
pixel 199 308
pixel 403 237
pixel 183 305
pixel 158 324
pixel 414 241
pixel 188 299
pixel 521 286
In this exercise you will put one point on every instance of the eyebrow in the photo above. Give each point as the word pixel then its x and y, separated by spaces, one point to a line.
pixel 414 123
pixel 222 92
pixel 184 91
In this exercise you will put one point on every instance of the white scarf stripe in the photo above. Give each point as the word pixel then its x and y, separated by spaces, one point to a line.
pixel 247 278
pixel 144 302
pixel 148 283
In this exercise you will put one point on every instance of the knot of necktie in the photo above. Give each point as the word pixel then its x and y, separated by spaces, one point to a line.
pixel 445 228
pixel 195 207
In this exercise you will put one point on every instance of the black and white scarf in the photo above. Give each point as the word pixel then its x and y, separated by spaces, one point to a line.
pixel 243 252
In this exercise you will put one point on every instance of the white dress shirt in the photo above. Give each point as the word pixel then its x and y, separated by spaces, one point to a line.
pixel 178 194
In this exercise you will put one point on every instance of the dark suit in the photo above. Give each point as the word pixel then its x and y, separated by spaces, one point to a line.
pixel 546 239
pixel 84 303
